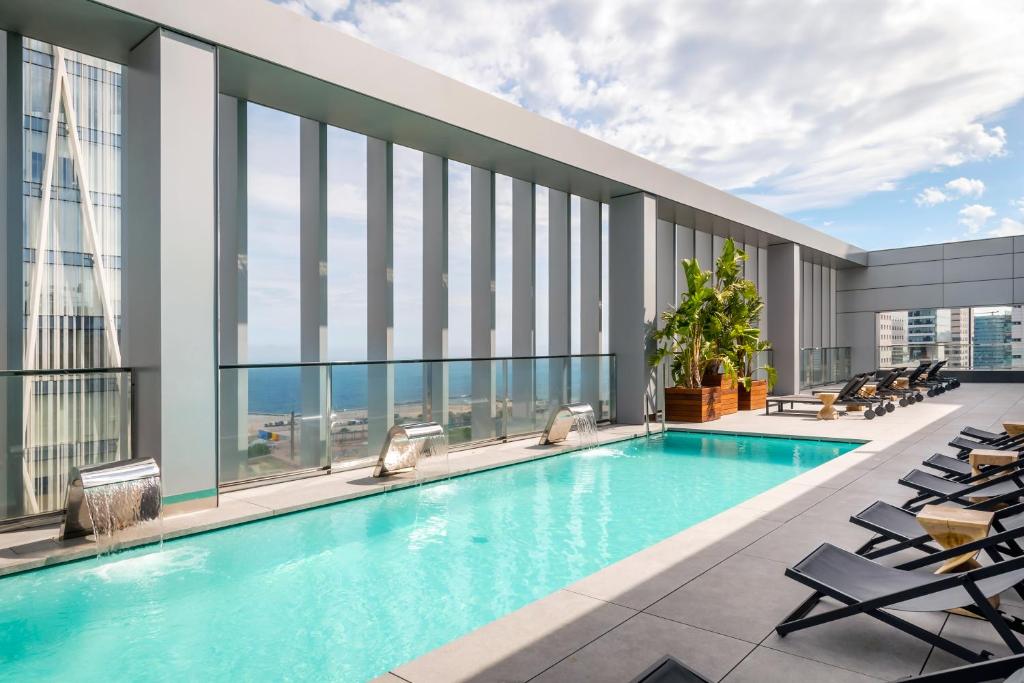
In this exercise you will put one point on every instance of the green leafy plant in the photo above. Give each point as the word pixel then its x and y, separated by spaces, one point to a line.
pixel 715 325
pixel 683 338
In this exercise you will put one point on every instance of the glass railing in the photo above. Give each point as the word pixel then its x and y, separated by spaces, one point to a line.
pixel 282 419
pixel 52 421
pixel 824 365
pixel 958 355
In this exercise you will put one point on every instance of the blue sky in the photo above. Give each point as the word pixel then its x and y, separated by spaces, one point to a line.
pixel 898 217
pixel 884 122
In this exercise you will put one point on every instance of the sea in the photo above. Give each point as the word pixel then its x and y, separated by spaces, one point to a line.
pixel 276 390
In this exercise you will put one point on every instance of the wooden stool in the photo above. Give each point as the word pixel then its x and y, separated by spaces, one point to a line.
pixel 1014 428
pixel 828 412
pixel 989 456
pixel 952 527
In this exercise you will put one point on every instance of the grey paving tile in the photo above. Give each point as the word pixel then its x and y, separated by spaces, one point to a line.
pixel 765 665
pixel 792 542
pixel 520 645
pixel 862 644
pixel 786 501
pixel 971 633
pixel 627 650
pixel 647 576
pixel 743 597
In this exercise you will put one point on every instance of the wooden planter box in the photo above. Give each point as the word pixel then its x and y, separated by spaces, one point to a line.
pixel 728 395
pixel 756 398
pixel 691 405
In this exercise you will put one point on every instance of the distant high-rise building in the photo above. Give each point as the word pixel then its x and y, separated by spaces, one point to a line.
pixel 992 338
pixel 891 332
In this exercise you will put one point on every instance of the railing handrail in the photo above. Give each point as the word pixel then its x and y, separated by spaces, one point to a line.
pixel 823 348
pixel 64 371
pixel 404 361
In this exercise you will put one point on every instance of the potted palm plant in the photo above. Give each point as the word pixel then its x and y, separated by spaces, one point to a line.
pixel 753 393
pixel 712 342
pixel 740 339
pixel 684 342
pixel 732 292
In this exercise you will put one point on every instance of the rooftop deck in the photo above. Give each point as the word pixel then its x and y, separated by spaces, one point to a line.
pixel 709 595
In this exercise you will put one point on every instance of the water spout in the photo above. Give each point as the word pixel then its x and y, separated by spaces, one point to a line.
pixel 107 500
pixel 572 416
pixel 407 444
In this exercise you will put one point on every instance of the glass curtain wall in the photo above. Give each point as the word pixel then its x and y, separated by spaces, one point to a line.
pixel 982 337
pixel 71 141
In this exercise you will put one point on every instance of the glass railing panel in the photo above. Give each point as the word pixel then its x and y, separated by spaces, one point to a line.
pixel 272 421
pixel 349 415
pixel 823 366
pixel 278 420
pixel 53 423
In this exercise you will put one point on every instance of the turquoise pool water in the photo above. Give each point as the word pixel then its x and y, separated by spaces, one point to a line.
pixel 348 591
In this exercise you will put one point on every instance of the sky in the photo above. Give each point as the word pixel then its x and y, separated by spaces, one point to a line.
pixel 883 122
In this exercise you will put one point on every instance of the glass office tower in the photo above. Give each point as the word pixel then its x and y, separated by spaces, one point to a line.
pixel 71 267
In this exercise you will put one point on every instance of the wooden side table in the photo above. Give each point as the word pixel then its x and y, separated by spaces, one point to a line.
pixel 828 412
pixel 1014 428
pixel 951 527
pixel 989 456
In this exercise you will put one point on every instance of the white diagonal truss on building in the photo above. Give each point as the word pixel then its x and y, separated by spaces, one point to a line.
pixel 60 95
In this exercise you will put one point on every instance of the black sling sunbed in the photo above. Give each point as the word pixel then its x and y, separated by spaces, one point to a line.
pixel 866 587
pixel 847 395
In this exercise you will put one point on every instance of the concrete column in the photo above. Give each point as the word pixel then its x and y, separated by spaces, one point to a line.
pixel 380 284
pixel 524 274
pixel 784 283
pixel 233 281
pixel 12 322
pixel 559 292
pixel 590 301
pixel 435 287
pixel 315 428
pixel 170 255
pixel 632 299
pixel 665 266
pixel 482 301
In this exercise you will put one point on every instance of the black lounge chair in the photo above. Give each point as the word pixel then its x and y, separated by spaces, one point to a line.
pixel 897 529
pixel 952 468
pixel 964 445
pixel 935 382
pixel 670 670
pixel 847 395
pixel 1000 488
pixel 1010 668
pixel 885 391
pixel 960 470
pixel 983 435
pixel 865 587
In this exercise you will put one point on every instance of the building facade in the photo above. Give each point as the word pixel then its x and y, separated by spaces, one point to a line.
pixel 143 259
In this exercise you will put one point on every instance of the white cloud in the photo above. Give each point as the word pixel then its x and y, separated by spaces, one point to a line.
pixel 959 187
pixel 966 187
pixel 1018 204
pixel 794 105
pixel 1007 227
pixel 975 216
pixel 931 196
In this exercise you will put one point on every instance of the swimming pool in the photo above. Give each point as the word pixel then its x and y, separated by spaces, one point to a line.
pixel 348 591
